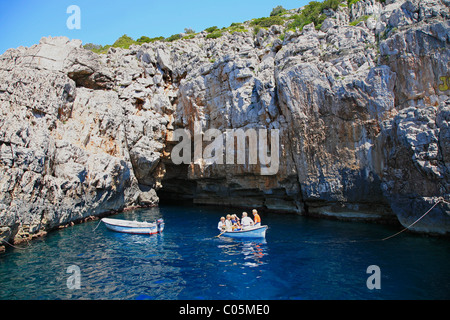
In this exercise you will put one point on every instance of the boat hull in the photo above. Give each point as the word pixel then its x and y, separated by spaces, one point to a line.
pixel 134 227
pixel 255 232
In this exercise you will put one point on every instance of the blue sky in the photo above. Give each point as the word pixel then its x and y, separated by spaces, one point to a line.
pixel 25 22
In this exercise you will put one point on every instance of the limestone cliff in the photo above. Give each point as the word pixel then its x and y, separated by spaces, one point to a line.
pixel 362 107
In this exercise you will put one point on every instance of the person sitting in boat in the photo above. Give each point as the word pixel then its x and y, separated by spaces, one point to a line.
pixel 256 217
pixel 228 224
pixel 235 224
pixel 222 225
pixel 246 221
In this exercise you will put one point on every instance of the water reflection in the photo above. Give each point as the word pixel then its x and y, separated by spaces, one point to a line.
pixel 253 252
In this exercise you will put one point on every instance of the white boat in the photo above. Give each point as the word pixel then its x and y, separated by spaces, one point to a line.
pixel 134 227
pixel 249 232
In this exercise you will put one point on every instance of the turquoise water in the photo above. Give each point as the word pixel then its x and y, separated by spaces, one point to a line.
pixel 301 258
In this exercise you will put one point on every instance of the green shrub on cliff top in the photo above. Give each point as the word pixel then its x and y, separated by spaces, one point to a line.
pixel 124 42
pixel 211 29
pixel 235 27
pixel 277 11
pixel 174 37
pixel 145 39
pixel 267 22
pixel 313 12
pixel 214 35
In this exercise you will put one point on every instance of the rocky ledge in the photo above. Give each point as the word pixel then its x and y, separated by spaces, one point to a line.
pixel 362 106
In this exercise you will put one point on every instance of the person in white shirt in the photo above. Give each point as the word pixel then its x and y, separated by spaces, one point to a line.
pixel 228 224
pixel 222 225
pixel 246 221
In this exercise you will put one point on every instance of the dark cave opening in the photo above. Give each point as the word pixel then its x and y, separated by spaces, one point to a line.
pixel 176 187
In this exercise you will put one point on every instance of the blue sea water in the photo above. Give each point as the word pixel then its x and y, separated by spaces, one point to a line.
pixel 301 258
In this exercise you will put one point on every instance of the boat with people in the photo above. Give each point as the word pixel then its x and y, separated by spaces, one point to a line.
pixel 233 227
pixel 134 227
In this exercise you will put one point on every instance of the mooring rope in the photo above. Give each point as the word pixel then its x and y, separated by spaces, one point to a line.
pixel 28 243
pixel 15 247
pixel 11 245
pixel 439 201
pixel 97 225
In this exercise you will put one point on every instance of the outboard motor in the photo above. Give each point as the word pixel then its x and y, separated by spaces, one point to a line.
pixel 160 224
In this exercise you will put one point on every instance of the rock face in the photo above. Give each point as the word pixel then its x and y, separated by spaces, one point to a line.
pixel 70 147
pixel 361 108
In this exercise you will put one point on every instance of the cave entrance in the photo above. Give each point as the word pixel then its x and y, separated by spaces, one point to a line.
pixel 176 187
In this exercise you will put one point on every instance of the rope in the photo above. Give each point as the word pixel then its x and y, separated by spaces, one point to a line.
pixel 440 200
pixel 15 247
pixel 98 224
pixel 343 241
